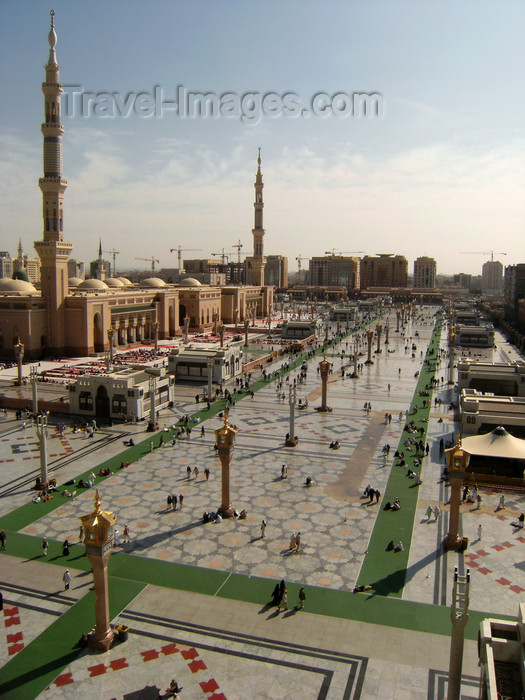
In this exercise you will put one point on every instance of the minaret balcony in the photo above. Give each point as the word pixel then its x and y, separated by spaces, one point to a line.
pixel 52 128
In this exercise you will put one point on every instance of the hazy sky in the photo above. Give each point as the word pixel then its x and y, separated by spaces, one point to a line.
pixel 441 171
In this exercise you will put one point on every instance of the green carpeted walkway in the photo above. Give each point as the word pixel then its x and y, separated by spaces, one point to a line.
pixel 387 570
pixel 34 667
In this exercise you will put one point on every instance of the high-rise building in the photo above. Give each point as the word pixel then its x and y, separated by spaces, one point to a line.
pixel 492 277
pixel 514 289
pixel 276 271
pixel 334 271
pixel 6 264
pixel 255 265
pixel 385 270
pixel 425 273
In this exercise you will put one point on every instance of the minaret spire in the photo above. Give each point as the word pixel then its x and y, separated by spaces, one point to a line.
pixel 53 249
pixel 258 262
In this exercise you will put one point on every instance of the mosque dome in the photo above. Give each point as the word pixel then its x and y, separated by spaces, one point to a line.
pixel 93 284
pixel 18 287
pixel 125 281
pixel 153 282
pixel 114 282
pixel 74 281
pixel 190 282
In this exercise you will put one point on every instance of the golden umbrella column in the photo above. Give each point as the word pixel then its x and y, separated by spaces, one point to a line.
pixel 98 538
pixel 225 441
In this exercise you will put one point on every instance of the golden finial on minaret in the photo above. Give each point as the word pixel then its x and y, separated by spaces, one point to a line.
pixel 97 502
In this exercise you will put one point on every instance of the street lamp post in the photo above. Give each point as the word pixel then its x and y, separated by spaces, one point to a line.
pixel 221 334
pixel 292 397
pixel 356 350
pixel 459 619
pixel 156 334
pixel 369 338
pixel 210 376
pixel 246 327
pixel 41 431
pixel 153 403
pixel 19 356
pixel 33 375
pixel 111 338
pixel 379 328
pixel 186 328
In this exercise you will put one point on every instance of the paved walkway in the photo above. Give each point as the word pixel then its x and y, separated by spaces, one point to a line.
pixel 216 577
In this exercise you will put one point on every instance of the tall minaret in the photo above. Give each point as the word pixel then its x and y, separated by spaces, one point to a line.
pixel 258 262
pixel 53 250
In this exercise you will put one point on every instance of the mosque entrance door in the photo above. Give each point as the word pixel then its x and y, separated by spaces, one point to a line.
pixel 102 403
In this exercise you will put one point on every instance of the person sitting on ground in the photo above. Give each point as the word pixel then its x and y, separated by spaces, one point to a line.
pixel 411 474
pixel 396 505
pixel 309 481
pixel 390 546
pixel 336 445
pixel 243 515
pixel 360 589
pixel 399 547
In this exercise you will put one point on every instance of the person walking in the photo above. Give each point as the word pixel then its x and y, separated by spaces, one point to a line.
pixel 263 528
pixel 478 502
pixel 44 547
pixel 67 579
pixel 283 603
pixel 81 533
pixel 429 512
pixel 151 445
pixel 302 598
pixel 297 541
pixel 207 473
pixel 196 472
pixel 188 472
pixel 501 504
pixel 126 533
pixel 480 531
pixel 437 512
pixel 65 549
pixel 181 499
pixel 3 539
pixel 169 502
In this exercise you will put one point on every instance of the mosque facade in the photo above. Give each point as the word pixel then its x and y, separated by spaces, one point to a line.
pixel 70 317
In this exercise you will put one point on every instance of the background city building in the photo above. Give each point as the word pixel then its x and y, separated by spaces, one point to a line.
pixel 425 270
pixel 385 270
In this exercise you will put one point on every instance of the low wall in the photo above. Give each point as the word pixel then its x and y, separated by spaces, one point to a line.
pixel 11 402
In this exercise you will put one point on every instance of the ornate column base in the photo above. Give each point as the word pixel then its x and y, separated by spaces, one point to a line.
pixel 227 511
pixel 291 442
pixel 455 543
pixel 101 642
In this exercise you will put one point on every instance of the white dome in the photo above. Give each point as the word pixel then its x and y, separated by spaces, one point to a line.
pixel 153 282
pixel 19 287
pixel 125 281
pixel 74 281
pixel 93 284
pixel 114 282
pixel 190 282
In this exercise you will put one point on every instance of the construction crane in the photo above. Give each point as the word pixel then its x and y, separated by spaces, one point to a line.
pixel 151 260
pixel 299 259
pixel 114 253
pixel 224 256
pixel 484 252
pixel 238 245
pixel 344 252
pixel 179 250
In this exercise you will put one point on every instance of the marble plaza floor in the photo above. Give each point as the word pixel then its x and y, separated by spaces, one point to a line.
pixel 194 594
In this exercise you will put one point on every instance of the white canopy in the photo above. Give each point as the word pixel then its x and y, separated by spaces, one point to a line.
pixel 498 443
